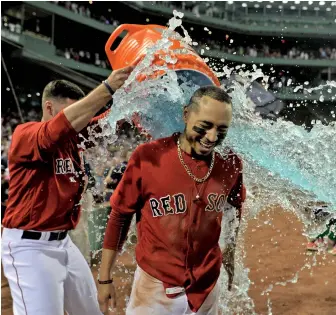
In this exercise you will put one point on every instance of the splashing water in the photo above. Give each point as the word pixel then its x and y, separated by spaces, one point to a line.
pixel 283 164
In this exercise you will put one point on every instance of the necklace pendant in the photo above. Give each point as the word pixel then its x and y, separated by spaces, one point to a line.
pixel 197 199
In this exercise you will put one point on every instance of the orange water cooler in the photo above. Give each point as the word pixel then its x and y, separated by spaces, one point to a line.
pixel 138 38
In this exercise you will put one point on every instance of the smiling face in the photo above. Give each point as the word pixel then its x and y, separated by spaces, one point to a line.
pixel 207 124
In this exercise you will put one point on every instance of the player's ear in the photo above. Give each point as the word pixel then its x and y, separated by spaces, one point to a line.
pixel 186 111
pixel 49 108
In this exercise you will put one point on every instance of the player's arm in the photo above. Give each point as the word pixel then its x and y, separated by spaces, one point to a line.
pixel 31 142
pixel 125 201
pixel 80 113
pixel 108 178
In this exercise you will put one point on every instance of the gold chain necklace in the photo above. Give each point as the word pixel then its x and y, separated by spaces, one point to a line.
pixel 198 180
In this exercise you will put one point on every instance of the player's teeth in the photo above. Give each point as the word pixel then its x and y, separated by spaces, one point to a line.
pixel 206 146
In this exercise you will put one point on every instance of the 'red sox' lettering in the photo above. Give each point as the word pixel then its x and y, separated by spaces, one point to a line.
pixel 64 166
pixel 163 207
pixel 177 204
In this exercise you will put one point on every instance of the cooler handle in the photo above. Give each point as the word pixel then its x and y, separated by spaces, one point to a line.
pixel 131 28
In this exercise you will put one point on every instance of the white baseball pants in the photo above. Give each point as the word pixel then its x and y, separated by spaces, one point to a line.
pixel 148 297
pixel 47 277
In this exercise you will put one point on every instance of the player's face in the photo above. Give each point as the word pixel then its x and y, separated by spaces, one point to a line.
pixel 207 126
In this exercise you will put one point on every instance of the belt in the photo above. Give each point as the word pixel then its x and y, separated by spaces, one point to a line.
pixel 54 236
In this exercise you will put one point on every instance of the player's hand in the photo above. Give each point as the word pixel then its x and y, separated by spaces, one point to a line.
pixel 118 77
pixel 106 297
pixel 228 263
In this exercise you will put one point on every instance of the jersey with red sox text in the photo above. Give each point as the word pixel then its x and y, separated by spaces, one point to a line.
pixel 47 176
pixel 177 235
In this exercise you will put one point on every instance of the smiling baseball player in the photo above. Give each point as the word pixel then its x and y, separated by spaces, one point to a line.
pixel 46 272
pixel 177 187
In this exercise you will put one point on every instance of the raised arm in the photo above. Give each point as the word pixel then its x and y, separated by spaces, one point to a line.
pixel 34 141
pixel 80 113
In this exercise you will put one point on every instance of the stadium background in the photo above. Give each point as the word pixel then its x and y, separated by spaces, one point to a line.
pixel 294 42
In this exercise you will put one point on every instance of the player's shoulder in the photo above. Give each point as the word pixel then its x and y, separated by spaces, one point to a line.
pixel 155 146
pixel 26 129
pixel 228 156
pixel 28 126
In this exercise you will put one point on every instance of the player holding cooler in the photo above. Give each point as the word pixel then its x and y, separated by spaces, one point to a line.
pixel 178 188
pixel 46 272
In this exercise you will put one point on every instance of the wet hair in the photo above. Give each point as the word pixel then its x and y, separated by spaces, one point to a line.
pixel 211 91
pixel 62 89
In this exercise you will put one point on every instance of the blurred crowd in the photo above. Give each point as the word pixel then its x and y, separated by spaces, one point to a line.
pixel 11 24
pixel 226 45
pixel 85 57
pixel 225 10
pixel 9 120
pixel 83 8
pixel 266 51
pixel 198 8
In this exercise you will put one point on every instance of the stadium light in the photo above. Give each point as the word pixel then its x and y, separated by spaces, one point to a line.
pixel 304 8
pixel 297 2
pixel 321 3
pixel 284 1
pixel 316 9
pixel 328 9
pixel 269 6
pixel 244 5
pixel 310 2
pixel 256 5
pixel 293 7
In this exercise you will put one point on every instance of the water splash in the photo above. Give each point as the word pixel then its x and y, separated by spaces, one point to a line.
pixel 283 164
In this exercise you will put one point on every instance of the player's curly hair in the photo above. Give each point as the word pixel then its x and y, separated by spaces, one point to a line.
pixel 62 89
pixel 214 92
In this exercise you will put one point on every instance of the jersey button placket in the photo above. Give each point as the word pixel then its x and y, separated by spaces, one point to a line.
pixel 188 226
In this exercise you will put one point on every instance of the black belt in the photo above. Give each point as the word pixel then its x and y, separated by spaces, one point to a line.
pixel 54 236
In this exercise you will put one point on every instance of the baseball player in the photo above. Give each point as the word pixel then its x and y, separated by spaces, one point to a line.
pixel 46 272
pixel 319 214
pixel 177 187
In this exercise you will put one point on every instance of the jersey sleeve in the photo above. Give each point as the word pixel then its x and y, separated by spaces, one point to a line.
pixel 237 194
pixel 34 141
pixel 125 201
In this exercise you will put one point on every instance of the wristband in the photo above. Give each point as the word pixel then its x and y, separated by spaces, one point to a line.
pixel 108 87
pixel 105 282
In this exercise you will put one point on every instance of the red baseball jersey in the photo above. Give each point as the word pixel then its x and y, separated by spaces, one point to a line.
pixel 47 176
pixel 177 235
